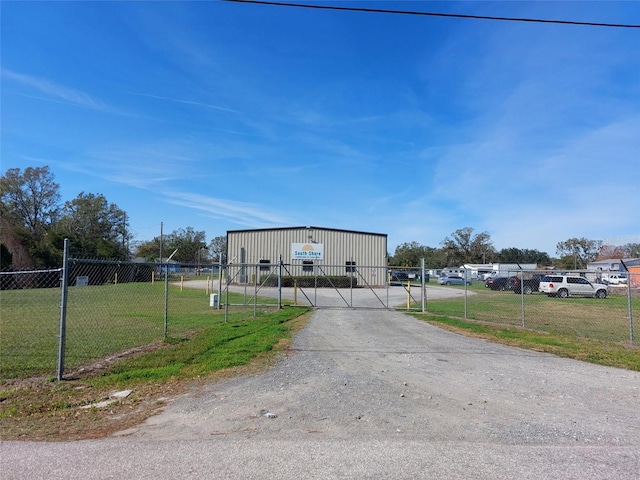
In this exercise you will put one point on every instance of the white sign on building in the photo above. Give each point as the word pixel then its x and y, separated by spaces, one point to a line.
pixel 307 251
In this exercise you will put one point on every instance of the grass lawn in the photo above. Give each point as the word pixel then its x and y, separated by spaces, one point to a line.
pixel 207 348
pixel 101 321
pixel 569 346
pixel 605 320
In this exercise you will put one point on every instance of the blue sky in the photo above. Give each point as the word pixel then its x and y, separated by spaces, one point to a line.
pixel 225 116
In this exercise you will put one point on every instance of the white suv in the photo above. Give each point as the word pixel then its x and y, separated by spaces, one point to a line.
pixel 566 285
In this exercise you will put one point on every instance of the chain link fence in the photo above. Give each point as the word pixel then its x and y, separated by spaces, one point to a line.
pixel 94 310
pixel 88 314
pixel 29 322
pixel 515 299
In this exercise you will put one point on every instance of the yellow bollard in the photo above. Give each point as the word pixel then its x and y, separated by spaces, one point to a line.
pixel 408 294
pixel 295 292
pixel 181 282
pixel 115 279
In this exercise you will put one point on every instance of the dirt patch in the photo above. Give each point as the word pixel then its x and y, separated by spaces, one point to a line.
pixel 37 409
pixel 102 365
pixel 41 409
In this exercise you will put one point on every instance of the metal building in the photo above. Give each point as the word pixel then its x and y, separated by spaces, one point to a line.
pixel 312 251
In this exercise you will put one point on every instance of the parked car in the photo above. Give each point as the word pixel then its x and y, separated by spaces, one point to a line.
pixel 496 283
pixel 615 280
pixel 399 276
pixel 451 280
pixel 526 286
pixel 486 276
pixel 403 276
pixel 564 286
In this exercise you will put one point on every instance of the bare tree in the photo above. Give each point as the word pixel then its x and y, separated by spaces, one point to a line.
pixel 632 250
pixel 611 251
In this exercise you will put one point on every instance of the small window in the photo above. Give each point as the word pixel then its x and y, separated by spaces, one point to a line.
pixel 265 268
pixel 351 267
pixel 307 265
pixel 573 280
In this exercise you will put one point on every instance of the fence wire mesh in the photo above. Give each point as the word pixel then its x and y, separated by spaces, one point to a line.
pixel 111 308
pixel 115 307
pixel 29 322
pixel 515 299
pixel 317 285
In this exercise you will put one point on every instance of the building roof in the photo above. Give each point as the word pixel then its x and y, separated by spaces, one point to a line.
pixel 304 227
pixel 608 261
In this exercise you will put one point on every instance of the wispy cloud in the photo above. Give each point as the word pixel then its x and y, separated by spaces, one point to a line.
pixel 143 166
pixel 527 132
pixel 54 91
pixel 165 169
pixel 241 213
pixel 186 102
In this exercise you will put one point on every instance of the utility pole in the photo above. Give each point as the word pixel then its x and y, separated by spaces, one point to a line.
pixel 161 224
pixel 124 232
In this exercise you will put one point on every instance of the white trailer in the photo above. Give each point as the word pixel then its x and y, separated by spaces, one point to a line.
pixel 509 269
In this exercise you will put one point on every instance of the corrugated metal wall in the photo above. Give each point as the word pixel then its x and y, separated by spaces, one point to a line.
pixel 340 246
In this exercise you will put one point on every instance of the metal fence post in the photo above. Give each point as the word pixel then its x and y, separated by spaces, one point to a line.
pixel 280 282
pixel 166 300
pixel 465 294
pixel 220 275
pixel 521 292
pixel 63 308
pixel 629 307
pixel 423 293
pixel 227 280
pixel 166 293
pixel 255 290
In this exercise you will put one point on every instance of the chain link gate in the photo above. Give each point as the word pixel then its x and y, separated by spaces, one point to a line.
pixel 325 286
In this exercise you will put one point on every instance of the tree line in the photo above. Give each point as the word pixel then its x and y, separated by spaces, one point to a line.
pixel 463 246
pixel 34 224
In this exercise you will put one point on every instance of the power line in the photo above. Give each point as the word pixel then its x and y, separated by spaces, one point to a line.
pixel 434 14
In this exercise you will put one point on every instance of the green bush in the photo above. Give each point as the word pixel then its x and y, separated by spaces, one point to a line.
pixel 304 281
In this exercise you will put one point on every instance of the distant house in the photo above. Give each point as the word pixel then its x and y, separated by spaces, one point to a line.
pixel 171 266
pixel 613 264
pixel 634 276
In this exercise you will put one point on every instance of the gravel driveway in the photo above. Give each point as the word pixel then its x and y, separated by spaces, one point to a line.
pixel 376 394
